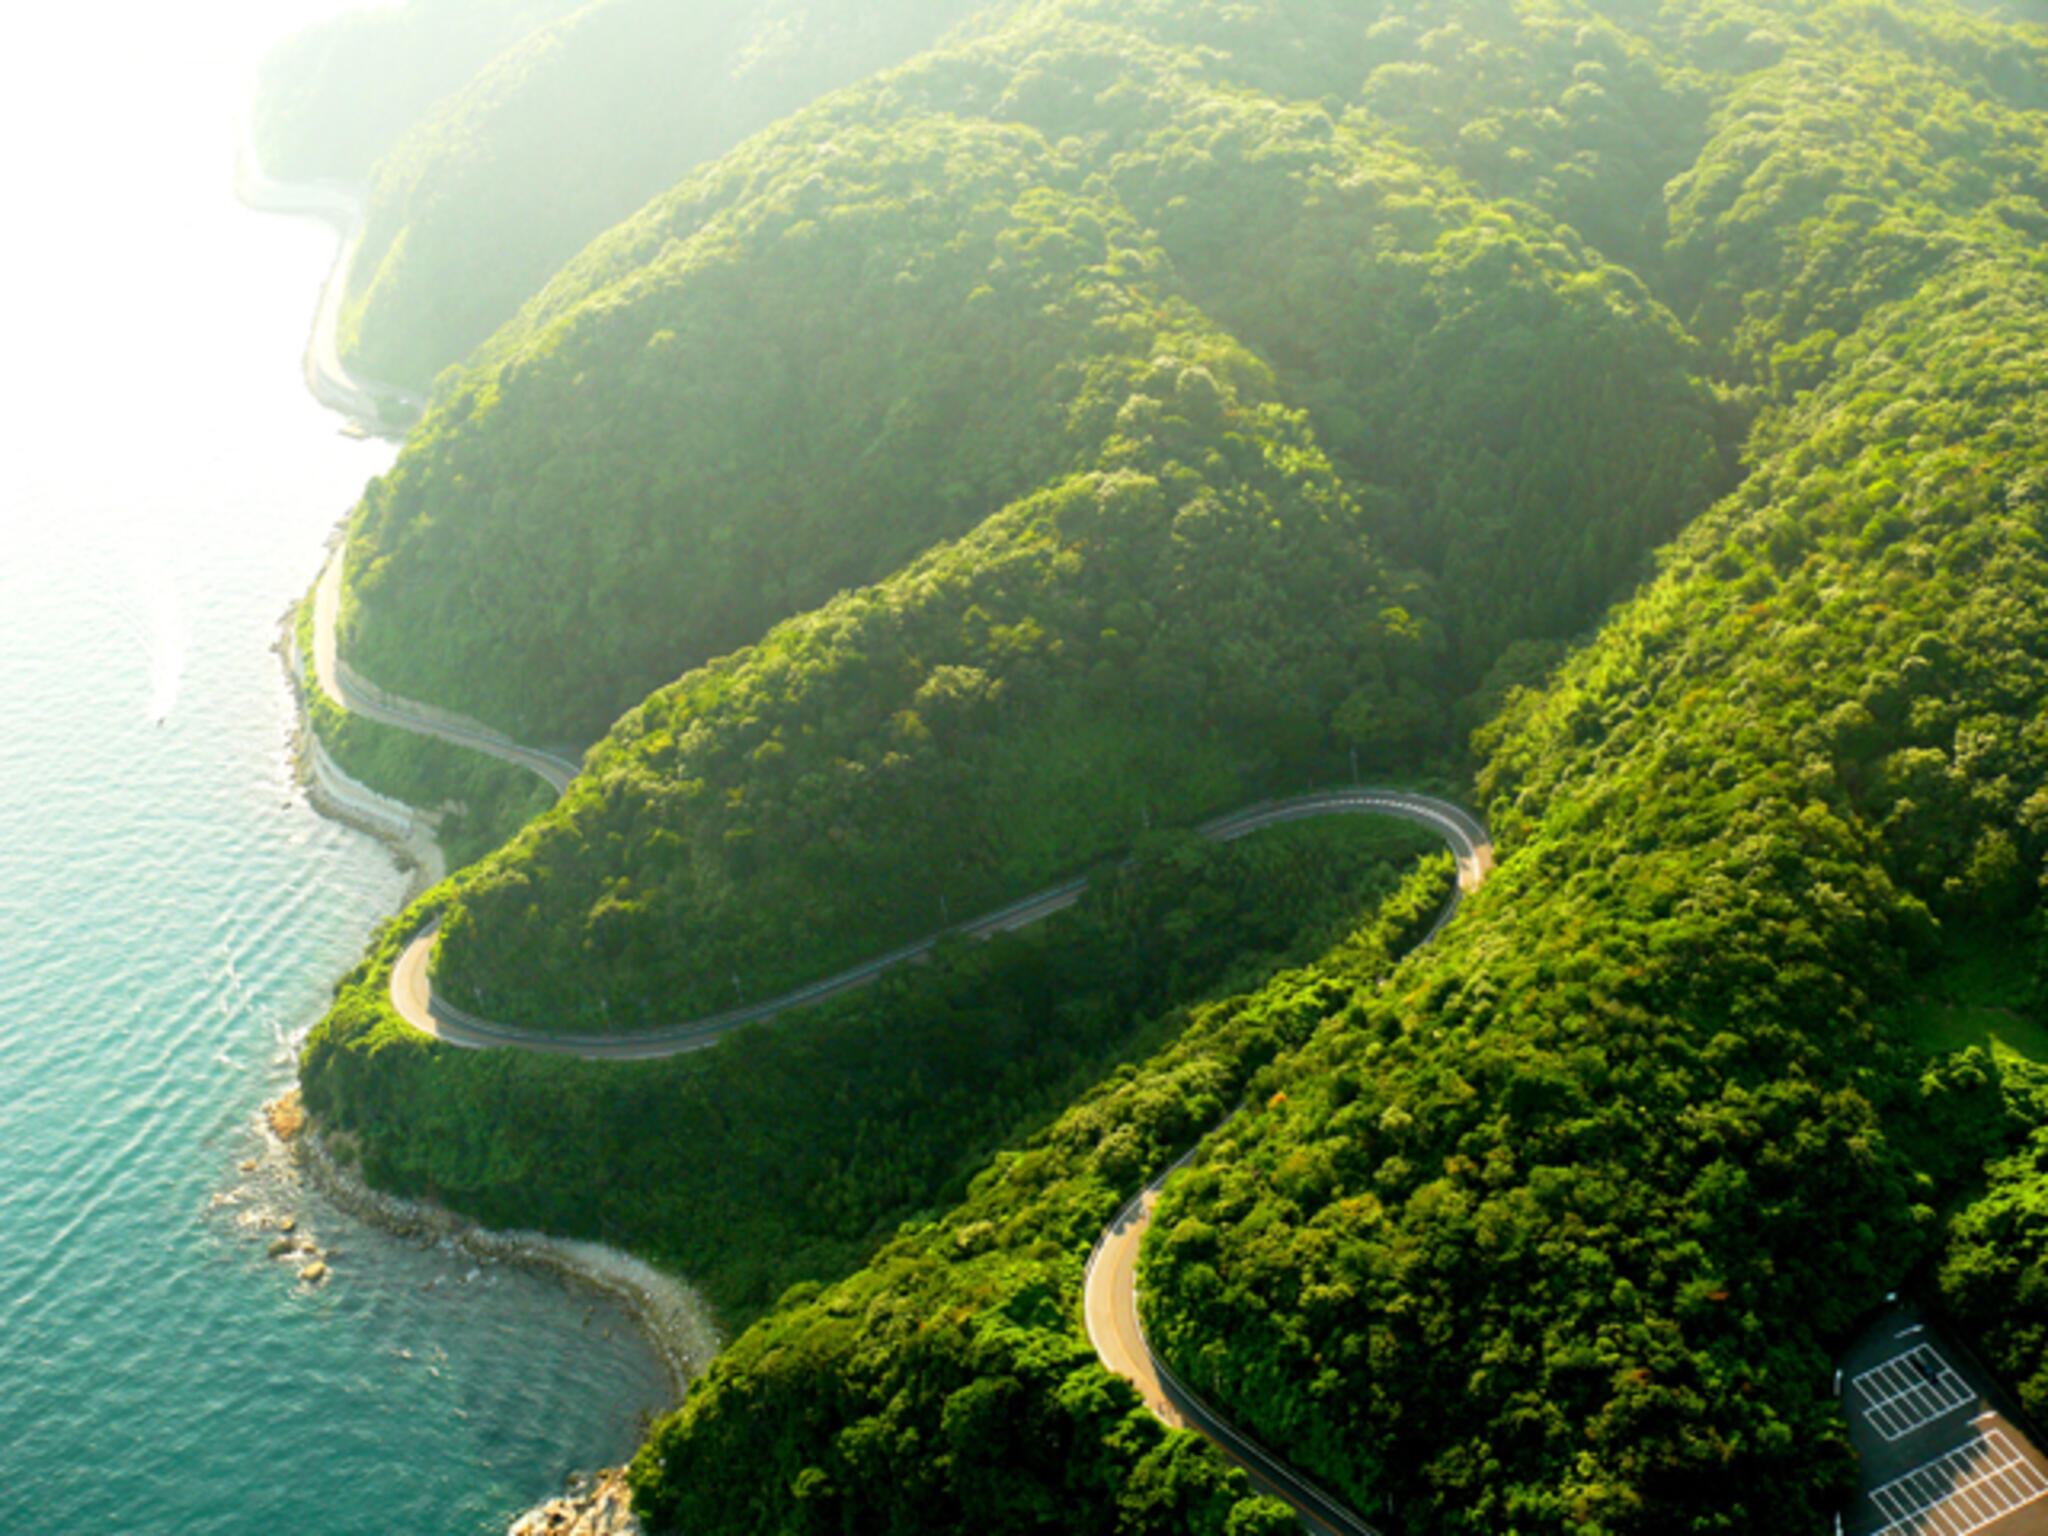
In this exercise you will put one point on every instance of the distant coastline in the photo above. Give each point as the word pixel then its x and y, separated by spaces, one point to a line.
pixel 365 402
pixel 675 1321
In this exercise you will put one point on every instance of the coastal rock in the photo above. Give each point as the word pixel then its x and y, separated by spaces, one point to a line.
pixel 676 1319
pixel 313 1273
pixel 282 1246
pixel 605 1510
pixel 287 1116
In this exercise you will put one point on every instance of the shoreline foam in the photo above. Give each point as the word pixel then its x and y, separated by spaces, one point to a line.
pixel 674 1320
pixel 406 830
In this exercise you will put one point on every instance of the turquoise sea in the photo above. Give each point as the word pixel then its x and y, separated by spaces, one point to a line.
pixel 171 911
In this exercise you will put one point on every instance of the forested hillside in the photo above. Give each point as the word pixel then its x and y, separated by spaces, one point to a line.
pixel 1184 599
pixel 1473 370
pixel 788 1153
pixel 1123 410
pixel 568 130
pixel 333 99
pixel 948 1384
pixel 1145 640
pixel 1585 1195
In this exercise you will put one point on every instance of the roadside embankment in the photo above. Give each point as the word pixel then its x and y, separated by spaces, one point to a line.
pixel 382 410
pixel 408 831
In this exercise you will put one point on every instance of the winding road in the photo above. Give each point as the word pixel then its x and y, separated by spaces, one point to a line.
pixel 413 996
pixel 412 992
pixel 377 408
pixel 1110 1288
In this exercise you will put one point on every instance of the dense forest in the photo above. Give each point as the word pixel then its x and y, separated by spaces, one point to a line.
pixel 768 452
pixel 1113 413
pixel 947 1384
pixel 785 1153
pixel 532 126
pixel 1061 673
pixel 333 100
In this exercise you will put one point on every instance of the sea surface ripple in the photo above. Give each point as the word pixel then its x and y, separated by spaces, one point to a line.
pixel 172 913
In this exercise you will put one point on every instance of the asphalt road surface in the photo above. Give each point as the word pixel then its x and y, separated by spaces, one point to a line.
pixel 413 996
pixel 419 719
pixel 1942 1450
pixel 1110 1287
pixel 363 401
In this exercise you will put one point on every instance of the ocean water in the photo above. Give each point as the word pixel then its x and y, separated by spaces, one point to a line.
pixel 171 911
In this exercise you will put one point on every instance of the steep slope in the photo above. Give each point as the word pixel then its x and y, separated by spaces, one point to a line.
pixel 1154 638
pixel 570 130
pixel 823 379
pixel 1489 387
pixel 331 100
pixel 1553 1232
pixel 1551 1229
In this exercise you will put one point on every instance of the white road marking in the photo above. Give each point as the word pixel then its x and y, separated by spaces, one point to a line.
pixel 1961 1492
pixel 1909 1390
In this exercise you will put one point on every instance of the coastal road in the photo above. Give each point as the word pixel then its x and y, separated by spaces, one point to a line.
pixel 1110 1283
pixel 374 704
pixel 412 992
pixel 371 405
pixel 1111 1302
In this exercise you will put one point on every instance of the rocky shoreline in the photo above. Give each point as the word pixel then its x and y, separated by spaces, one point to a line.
pixel 676 1322
pixel 602 1506
pixel 673 1320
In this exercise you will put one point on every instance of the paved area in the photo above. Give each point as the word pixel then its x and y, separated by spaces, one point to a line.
pixel 422 720
pixel 1971 1488
pixel 1940 1453
pixel 1110 1306
pixel 1908 1391
pixel 413 996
